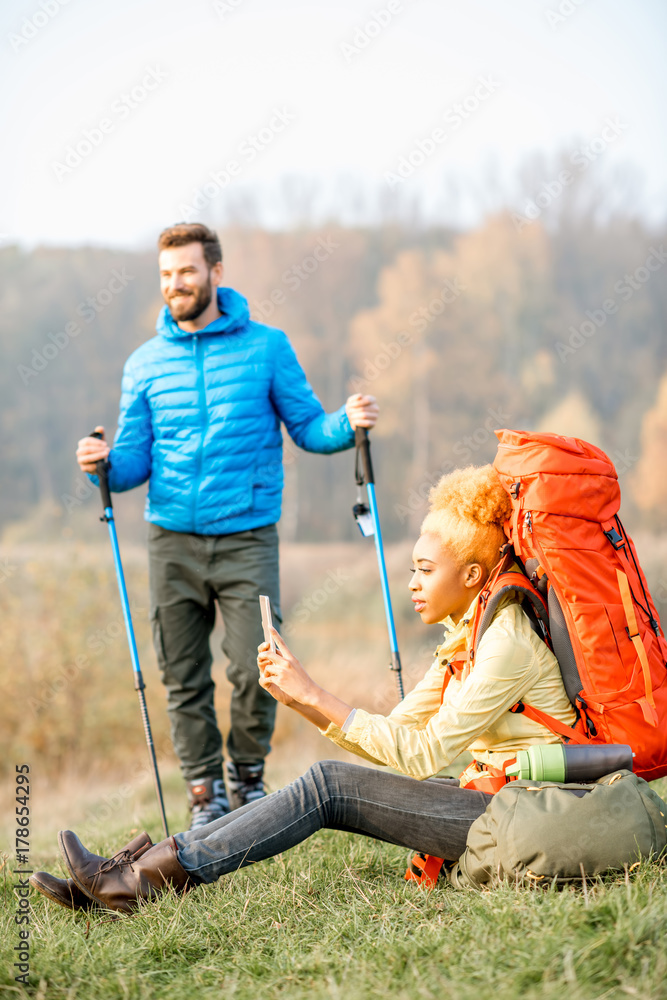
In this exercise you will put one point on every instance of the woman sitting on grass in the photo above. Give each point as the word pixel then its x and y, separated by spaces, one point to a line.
pixel 459 546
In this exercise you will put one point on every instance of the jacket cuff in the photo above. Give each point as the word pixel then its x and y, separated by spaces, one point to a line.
pixel 333 732
pixel 357 727
pixel 95 479
pixel 348 722
pixel 344 423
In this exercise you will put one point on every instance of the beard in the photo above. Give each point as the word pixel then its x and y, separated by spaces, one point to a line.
pixel 190 306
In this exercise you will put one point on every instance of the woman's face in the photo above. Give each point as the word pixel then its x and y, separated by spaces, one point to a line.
pixel 439 586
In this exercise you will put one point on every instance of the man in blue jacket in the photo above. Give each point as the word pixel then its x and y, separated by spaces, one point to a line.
pixel 200 414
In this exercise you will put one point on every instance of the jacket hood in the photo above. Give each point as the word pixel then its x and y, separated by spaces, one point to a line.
pixel 232 305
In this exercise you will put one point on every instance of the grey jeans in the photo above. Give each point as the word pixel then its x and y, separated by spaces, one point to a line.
pixel 430 816
pixel 189 574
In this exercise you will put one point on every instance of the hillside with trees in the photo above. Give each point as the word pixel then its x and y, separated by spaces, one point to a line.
pixel 556 323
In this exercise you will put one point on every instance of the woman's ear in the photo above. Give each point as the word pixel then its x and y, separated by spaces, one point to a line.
pixel 474 576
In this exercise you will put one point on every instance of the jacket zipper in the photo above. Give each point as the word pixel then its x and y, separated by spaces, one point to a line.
pixel 201 391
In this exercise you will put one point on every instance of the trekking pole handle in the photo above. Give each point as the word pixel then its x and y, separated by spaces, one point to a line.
pixel 363 447
pixel 103 475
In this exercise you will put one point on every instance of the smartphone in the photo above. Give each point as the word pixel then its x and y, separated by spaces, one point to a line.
pixel 265 606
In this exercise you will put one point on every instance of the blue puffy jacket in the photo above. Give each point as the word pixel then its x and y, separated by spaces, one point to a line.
pixel 200 415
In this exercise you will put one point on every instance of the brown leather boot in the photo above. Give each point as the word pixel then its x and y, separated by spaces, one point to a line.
pixel 66 892
pixel 121 882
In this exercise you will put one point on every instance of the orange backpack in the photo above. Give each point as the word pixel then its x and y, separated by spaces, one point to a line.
pixel 602 623
pixel 604 627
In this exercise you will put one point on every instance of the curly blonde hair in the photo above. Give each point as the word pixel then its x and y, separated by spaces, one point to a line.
pixel 467 511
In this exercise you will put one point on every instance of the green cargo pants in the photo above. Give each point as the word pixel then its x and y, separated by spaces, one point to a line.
pixel 188 574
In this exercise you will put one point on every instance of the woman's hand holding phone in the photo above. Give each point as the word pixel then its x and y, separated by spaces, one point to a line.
pixel 263 652
pixel 282 675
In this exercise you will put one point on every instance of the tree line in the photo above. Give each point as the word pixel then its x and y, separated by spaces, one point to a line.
pixel 555 322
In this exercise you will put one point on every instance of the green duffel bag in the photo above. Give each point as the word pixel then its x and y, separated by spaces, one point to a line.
pixel 542 832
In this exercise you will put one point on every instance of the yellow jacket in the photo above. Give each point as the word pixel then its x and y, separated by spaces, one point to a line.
pixel 421 736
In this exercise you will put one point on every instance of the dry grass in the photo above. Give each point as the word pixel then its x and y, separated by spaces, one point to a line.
pixel 330 919
pixel 67 702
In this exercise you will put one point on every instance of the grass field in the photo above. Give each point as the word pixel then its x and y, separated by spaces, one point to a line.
pixel 333 918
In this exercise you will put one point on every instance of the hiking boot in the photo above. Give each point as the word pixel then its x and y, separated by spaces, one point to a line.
pixel 123 881
pixel 66 892
pixel 245 783
pixel 208 801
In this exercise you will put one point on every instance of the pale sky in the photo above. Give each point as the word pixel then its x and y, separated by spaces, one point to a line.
pixel 158 95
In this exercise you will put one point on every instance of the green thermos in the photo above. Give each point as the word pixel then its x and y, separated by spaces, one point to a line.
pixel 570 762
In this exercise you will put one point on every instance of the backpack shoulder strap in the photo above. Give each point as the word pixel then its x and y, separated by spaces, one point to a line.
pixel 505 580
pixel 454 668
pixel 560 728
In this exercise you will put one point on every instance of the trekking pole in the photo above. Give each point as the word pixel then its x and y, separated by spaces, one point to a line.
pixel 103 475
pixel 368 519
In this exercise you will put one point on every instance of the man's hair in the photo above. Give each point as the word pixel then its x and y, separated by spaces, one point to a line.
pixel 467 511
pixel 192 232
